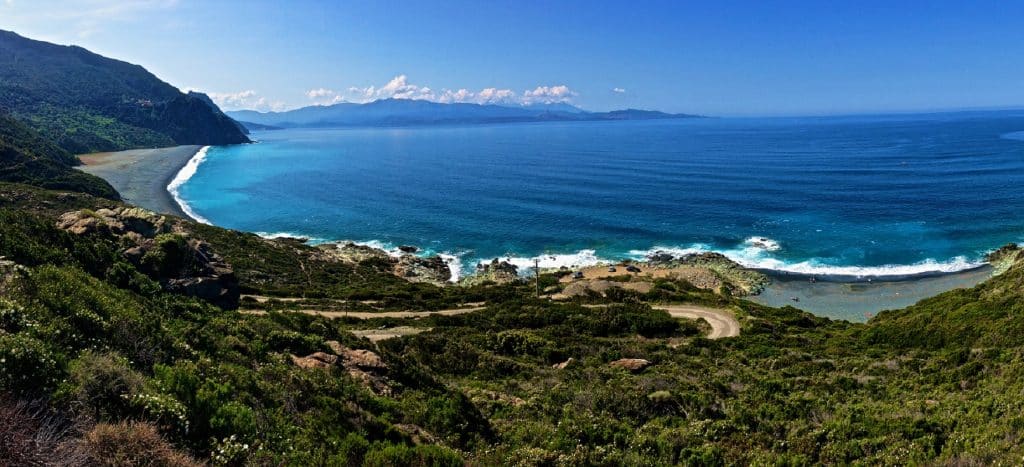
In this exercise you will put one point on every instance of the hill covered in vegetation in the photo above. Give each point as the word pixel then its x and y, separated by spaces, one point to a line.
pixel 101 357
pixel 132 338
pixel 83 102
pixel 26 157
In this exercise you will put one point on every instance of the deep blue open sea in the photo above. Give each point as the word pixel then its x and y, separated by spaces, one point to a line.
pixel 864 195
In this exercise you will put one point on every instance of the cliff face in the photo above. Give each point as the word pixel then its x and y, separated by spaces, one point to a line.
pixel 85 102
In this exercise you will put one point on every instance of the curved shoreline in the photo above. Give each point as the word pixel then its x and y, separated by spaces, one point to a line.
pixel 141 176
pixel 183 175
pixel 145 177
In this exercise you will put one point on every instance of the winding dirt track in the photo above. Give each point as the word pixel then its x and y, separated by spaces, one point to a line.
pixel 374 314
pixel 723 323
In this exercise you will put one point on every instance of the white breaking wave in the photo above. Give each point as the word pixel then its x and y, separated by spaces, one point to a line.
pixel 754 252
pixel 454 265
pixel 182 176
pixel 762 243
pixel 582 258
pixel 755 255
pixel 273 235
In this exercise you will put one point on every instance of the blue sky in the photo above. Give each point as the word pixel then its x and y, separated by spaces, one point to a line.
pixel 715 57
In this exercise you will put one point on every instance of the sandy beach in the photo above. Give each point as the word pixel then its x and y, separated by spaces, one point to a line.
pixel 858 301
pixel 142 175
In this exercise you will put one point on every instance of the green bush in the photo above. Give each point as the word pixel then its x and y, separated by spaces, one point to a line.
pixel 102 383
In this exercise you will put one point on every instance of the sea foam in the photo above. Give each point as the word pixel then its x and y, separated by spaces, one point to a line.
pixel 183 176
pixel 755 252
pixel 582 258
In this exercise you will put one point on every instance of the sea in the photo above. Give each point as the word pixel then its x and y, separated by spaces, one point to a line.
pixel 857 196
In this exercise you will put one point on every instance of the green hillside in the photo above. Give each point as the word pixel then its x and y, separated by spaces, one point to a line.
pixel 84 102
pixel 99 338
pixel 26 157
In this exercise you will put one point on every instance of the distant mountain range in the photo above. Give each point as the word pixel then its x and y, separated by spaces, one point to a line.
pixel 85 102
pixel 397 112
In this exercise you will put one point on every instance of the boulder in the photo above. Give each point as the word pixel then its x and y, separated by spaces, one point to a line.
pixel 416 434
pixel 160 247
pixel 349 252
pixel 632 364
pixel 407 249
pixel 364 366
pixel 563 365
pixel 659 257
pixel 433 269
pixel 497 271
pixel 315 360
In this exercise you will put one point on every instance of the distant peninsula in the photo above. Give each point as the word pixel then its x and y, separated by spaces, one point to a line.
pixel 400 112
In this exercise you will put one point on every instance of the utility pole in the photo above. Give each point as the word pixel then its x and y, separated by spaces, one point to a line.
pixel 536 274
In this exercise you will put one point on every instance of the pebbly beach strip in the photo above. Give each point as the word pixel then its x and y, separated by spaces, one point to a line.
pixel 142 175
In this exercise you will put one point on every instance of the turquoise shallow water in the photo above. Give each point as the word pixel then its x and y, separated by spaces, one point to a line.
pixel 871 195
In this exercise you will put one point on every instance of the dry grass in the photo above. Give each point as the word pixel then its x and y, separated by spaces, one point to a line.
pixel 132 444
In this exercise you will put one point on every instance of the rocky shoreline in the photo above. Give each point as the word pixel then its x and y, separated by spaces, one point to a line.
pixel 710 271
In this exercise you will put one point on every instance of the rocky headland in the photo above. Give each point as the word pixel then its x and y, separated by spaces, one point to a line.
pixel 707 271
pixel 162 248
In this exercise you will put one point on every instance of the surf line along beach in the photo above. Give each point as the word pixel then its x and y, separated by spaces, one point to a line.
pixel 144 177
pixel 149 177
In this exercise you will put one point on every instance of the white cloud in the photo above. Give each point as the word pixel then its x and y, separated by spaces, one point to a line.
pixel 619 90
pixel 549 95
pixel 245 100
pixel 324 96
pixel 400 87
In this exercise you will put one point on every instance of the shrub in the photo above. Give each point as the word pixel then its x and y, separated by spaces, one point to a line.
pixel 27 365
pixel 412 456
pixel 103 382
pixel 131 443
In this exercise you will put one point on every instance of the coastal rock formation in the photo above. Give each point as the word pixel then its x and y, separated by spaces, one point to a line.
pixel 497 272
pixel 708 271
pixel 1005 257
pixel 432 269
pixel 160 247
pixel 736 278
pixel 352 253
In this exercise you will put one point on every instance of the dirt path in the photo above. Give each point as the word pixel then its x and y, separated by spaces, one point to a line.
pixel 374 314
pixel 375 335
pixel 723 323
